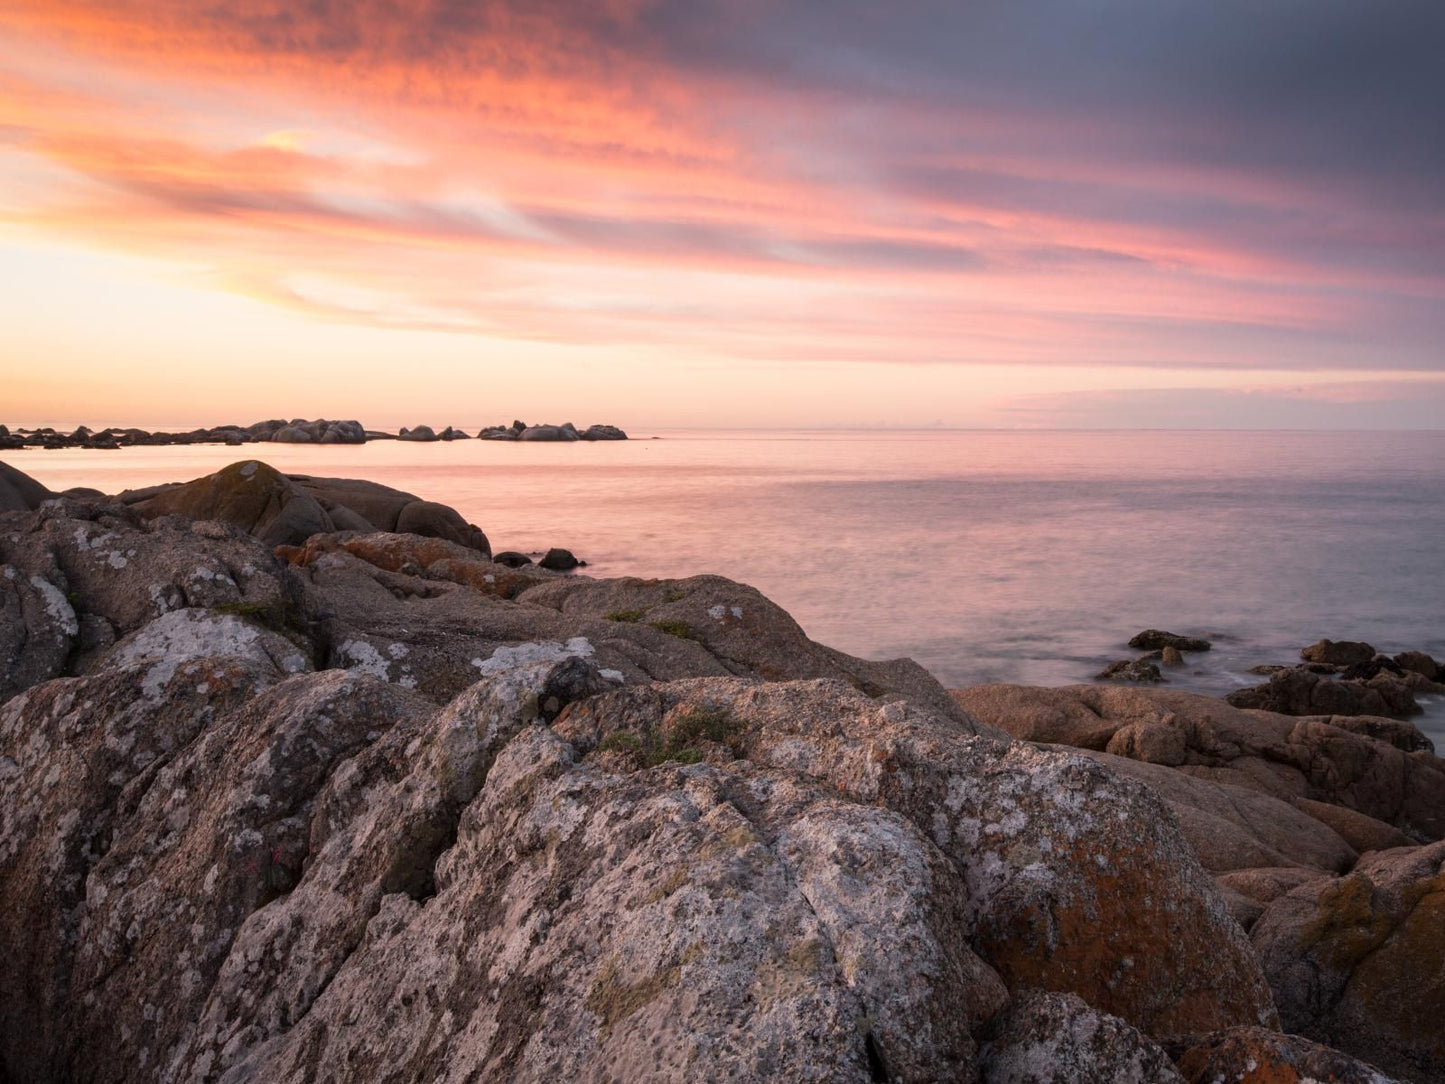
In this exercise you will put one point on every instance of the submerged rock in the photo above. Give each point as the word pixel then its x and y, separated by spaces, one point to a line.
pixel 1155 639
pixel 559 560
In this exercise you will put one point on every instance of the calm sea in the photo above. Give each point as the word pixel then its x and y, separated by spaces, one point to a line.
pixel 987 556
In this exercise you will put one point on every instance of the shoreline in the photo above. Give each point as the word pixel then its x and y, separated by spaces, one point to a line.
pixel 368 761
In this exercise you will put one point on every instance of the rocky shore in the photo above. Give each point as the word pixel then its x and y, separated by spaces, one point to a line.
pixel 296 431
pixel 298 782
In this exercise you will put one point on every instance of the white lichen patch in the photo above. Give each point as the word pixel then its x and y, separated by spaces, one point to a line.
pixel 613 675
pixel 56 605
pixel 361 656
pixel 511 656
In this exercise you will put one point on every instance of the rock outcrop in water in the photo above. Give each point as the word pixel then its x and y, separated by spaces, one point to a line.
pixel 383 809
pixel 280 431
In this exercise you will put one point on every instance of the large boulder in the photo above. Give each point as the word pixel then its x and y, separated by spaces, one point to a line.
pixel 603 432
pixel 1358 963
pixel 548 433
pixel 1285 757
pixel 1078 881
pixel 288 509
pixel 421 433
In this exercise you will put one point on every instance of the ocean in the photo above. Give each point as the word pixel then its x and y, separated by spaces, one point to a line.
pixel 1014 556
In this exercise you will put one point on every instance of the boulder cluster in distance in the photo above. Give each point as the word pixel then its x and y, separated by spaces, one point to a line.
pixel 296 431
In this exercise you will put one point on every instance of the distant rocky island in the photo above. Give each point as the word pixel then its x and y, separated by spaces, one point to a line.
pixel 296 431
pixel 300 780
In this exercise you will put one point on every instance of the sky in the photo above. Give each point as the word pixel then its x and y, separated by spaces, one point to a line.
pixel 724 212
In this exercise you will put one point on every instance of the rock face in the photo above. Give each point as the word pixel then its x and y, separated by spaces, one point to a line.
pixel 1060 1039
pixel 1155 639
pixel 1257 1056
pixel 288 509
pixel 1359 963
pixel 1284 757
pixel 19 492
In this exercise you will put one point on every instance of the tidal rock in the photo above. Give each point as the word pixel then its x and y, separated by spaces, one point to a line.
pixel 559 560
pixel 548 433
pixel 603 432
pixel 1045 1038
pixel 454 434
pixel 1155 639
pixel 1171 656
pixel 1258 1056
pixel 512 559
pixel 1338 652
pixel 1358 963
pixel 421 432
pixel 1420 663
pixel 497 432
pixel 292 434
pixel 1300 691
pixel 1136 670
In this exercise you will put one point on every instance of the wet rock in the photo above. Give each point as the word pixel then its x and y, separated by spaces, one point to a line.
pixel 454 434
pixel 1048 1038
pixel 512 559
pixel 1258 1056
pixel 559 560
pixel 497 432
pixel 1359 963
pixel 1156 639
pixel 1338 652
pixel 1420 663
pixel 1170 656
pixel 1135 670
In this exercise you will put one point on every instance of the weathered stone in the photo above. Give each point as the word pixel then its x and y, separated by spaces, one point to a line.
pixel 1282 756
pixel 1136 670
pixel 1338 652
pixel 1420 663
pixel 1300 691
pixel 1171 656
pixel 420 433
pixel 1048 1038
pixel 1359 963
pixel 19 492
pixel 1155 639
pixel 1257 1056
pixel 1075 877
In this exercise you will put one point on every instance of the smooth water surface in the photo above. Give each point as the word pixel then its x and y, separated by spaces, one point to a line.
pixel 987 556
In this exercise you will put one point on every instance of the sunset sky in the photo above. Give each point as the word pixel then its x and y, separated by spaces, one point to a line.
pixel 758 212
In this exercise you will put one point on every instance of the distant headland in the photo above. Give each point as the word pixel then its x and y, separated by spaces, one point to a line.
pixel 296 431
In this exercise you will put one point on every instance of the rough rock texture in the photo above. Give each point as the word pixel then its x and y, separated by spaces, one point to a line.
pixel 1078 881
pixel 1257 1056
pixel 1338 652
pixel 1136 670
pixel 1059 1039
pixel 1300 691
pixel 1420 663
pixel 1282 756
pixel 1359 963
pixel 76 575
pixel 286 510
pixel 1154 639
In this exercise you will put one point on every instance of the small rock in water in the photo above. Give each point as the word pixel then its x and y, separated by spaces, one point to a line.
pixel 1338 652
pixel 1130 670
pixel 1153 639
pixel 559 560
pixel 1172 657
pixel 511 558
